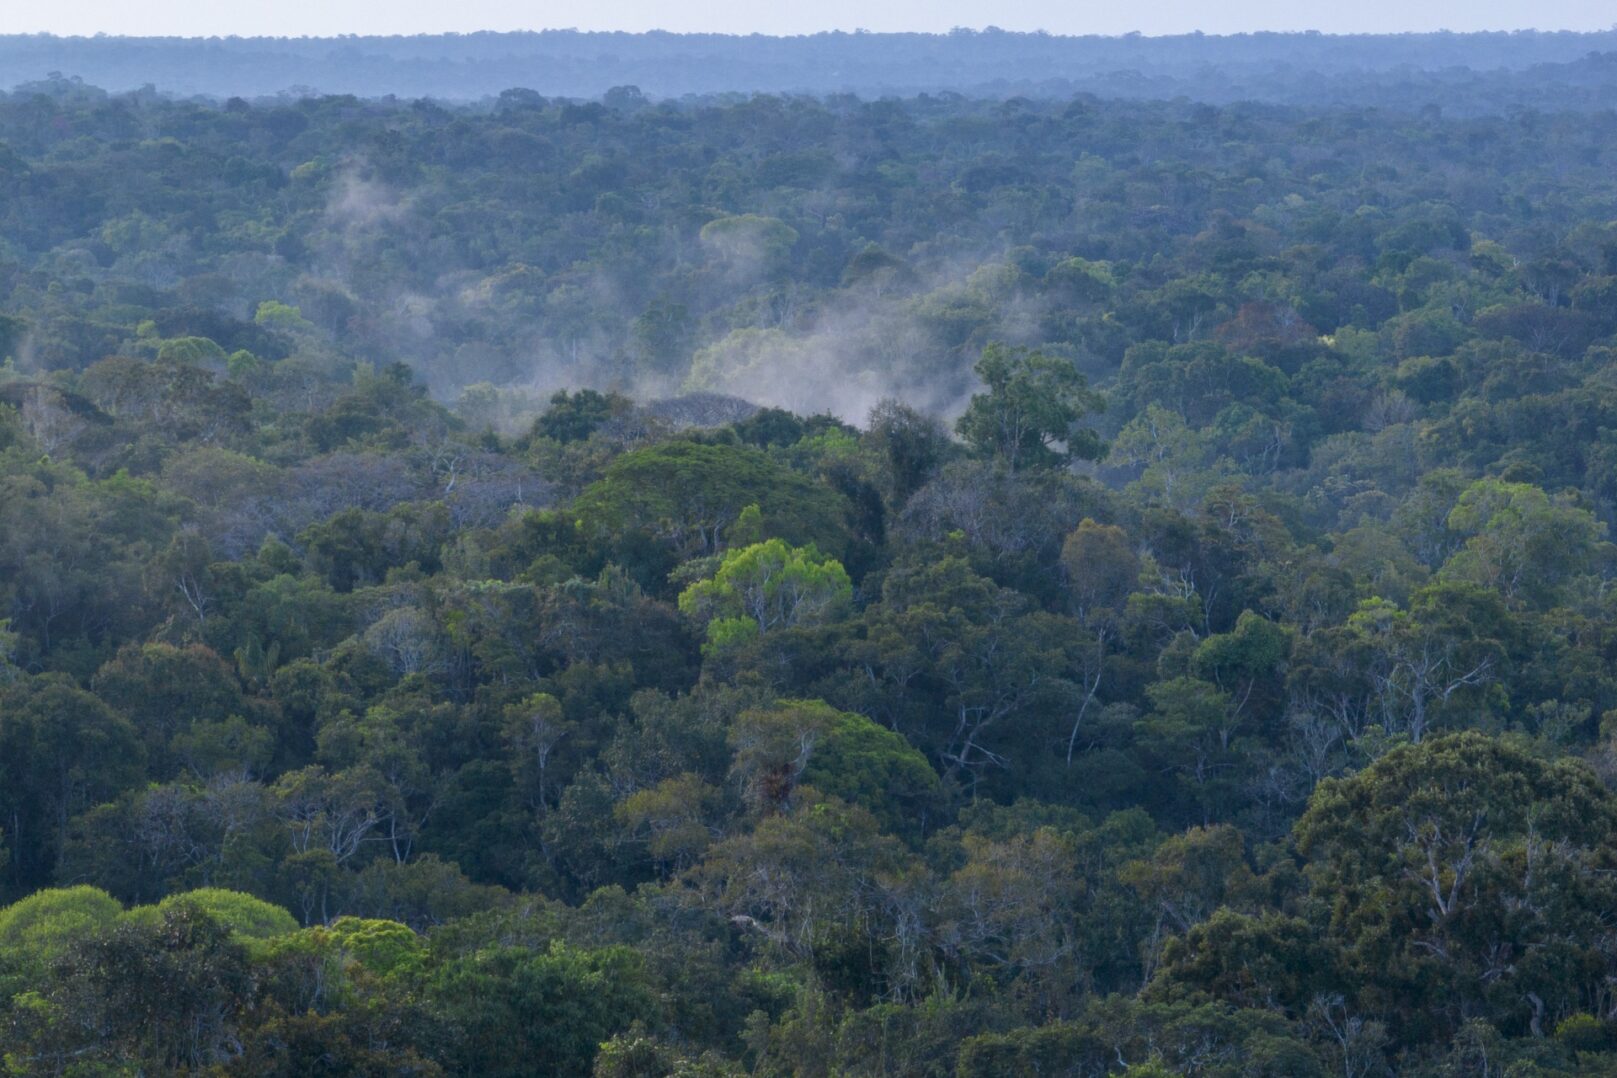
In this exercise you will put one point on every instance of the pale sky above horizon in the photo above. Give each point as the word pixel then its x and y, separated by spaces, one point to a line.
pixel 329 17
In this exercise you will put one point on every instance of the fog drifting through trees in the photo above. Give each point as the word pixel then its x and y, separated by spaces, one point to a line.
pixel 1094 575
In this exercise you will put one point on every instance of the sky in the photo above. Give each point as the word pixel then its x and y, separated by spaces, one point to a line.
pixel 329 17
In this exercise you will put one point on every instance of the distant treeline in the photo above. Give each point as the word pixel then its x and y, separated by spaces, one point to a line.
pixel 1471 73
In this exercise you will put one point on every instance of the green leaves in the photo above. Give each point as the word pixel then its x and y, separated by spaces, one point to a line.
pixel 1441 859
pixel 1033 412
pixel 765 587
pixel 748 243
pixel 685 497
pixel 1522 542
pixel 516 1011
pixel 837 752
pixel 61 751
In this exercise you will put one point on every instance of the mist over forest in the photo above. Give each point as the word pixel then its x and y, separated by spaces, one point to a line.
pixel 968 555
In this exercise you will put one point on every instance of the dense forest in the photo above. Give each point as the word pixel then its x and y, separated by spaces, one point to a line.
pixel 1462 73
pixel 763 584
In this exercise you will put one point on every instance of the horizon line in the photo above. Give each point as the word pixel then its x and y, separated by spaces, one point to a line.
pixel 958 31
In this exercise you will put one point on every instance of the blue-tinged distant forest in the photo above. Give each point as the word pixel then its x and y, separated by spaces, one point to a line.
pixel 1464 73
pixel 1042 573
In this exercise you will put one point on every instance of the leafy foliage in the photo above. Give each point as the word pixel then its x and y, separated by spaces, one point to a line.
pixel 1230 693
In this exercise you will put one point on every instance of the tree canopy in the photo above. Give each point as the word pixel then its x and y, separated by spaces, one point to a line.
pixel 939 585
